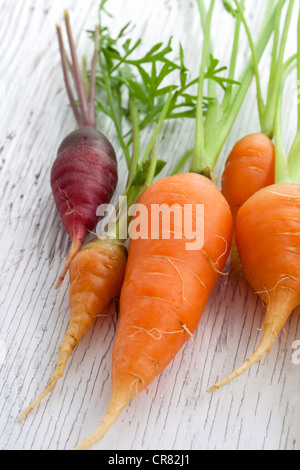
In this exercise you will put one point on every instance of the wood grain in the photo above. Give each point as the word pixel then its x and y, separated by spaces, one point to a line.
pixel 261 409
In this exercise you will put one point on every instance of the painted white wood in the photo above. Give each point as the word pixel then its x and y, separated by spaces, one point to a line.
pixel 258 411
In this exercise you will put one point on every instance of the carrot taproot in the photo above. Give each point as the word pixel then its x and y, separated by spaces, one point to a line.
pixel 96 276
pixel 165 289
pixel 98 268
pixel 84 173
pixel 267 238
pixel 250 165
pixel 157 318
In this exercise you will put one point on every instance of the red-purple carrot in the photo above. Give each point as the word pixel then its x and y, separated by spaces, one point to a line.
pixel 84 173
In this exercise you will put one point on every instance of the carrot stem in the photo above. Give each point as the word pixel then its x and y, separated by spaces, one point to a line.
pixel 91 97
pixel 260 101
pixel 268 121
pixel 77 75
pixel 233 61
pixel 136 144
pixel 66 78
pixel 200 159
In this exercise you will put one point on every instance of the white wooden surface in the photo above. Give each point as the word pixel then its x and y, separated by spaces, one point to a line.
pixel 261 410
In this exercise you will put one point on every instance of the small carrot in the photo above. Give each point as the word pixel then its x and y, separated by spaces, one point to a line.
pixel 165 289
pixel 166 285
pixel 97 270
pixel 250 165
pixel 84 173
pixel 267 237
pixel 96 276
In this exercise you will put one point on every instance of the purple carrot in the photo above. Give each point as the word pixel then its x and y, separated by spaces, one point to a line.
pixel 84 173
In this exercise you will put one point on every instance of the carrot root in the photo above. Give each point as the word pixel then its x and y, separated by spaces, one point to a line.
pixel 112 414
pixel 266 343
pixel 75 247
pixel 66 349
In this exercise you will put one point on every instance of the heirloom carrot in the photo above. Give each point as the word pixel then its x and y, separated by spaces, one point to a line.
pixel 250 165
pixel 84 173
pixel 167 283
pixel 267 237
pixel 97 270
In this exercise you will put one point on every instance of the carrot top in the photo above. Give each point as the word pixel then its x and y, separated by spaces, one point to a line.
pixel 287 168
pixel 213 127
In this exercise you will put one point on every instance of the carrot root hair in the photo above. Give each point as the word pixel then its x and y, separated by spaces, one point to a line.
pixel 266 343
pixel 75 247
pixel 112 414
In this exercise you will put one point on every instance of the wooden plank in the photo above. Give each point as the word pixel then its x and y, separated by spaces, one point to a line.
pixel 258 411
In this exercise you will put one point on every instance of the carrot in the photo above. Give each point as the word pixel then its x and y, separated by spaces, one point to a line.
pixel 167 285
pixel 97 270
pixel 249 167
pixel 251 163
pixel 267 237
pixel 165 289
pixel 84 173
pixel 96 276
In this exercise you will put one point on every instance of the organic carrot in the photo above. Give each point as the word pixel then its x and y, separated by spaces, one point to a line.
pixel 250 165
pixel 96 276
pixel 267 237
pixel 165 289
pixel 167 284
pixel 97 270
pixel 84 173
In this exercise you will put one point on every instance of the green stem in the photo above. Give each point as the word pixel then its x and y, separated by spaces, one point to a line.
pixel 233 61
pixel 275 50
pixel 282 171
pixel 219 134
pixel 135 139
pixel 293 157
pixel 158 127
pixel 182 161
pixel 268 123
pixel 108 89
pixel 152 167
pixel 260 101
pixel 298 72
pixel 211 86
pixel 116 120
pixel 200 160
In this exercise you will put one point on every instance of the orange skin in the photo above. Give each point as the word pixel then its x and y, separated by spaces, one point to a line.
pixel 165 291
pixel 249 168
pixel 268 241
pixel 96 276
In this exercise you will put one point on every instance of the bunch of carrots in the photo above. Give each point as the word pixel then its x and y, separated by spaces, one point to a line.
pixel 162 286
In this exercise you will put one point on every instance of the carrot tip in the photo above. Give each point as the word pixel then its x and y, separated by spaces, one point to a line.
pixel 109 419
pixel 75 247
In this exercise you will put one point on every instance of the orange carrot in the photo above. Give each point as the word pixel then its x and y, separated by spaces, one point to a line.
pixel 96 276
pixel 249 167
pixel 267 236
pixel 165 290
pixel 166 285
pixel 251 163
